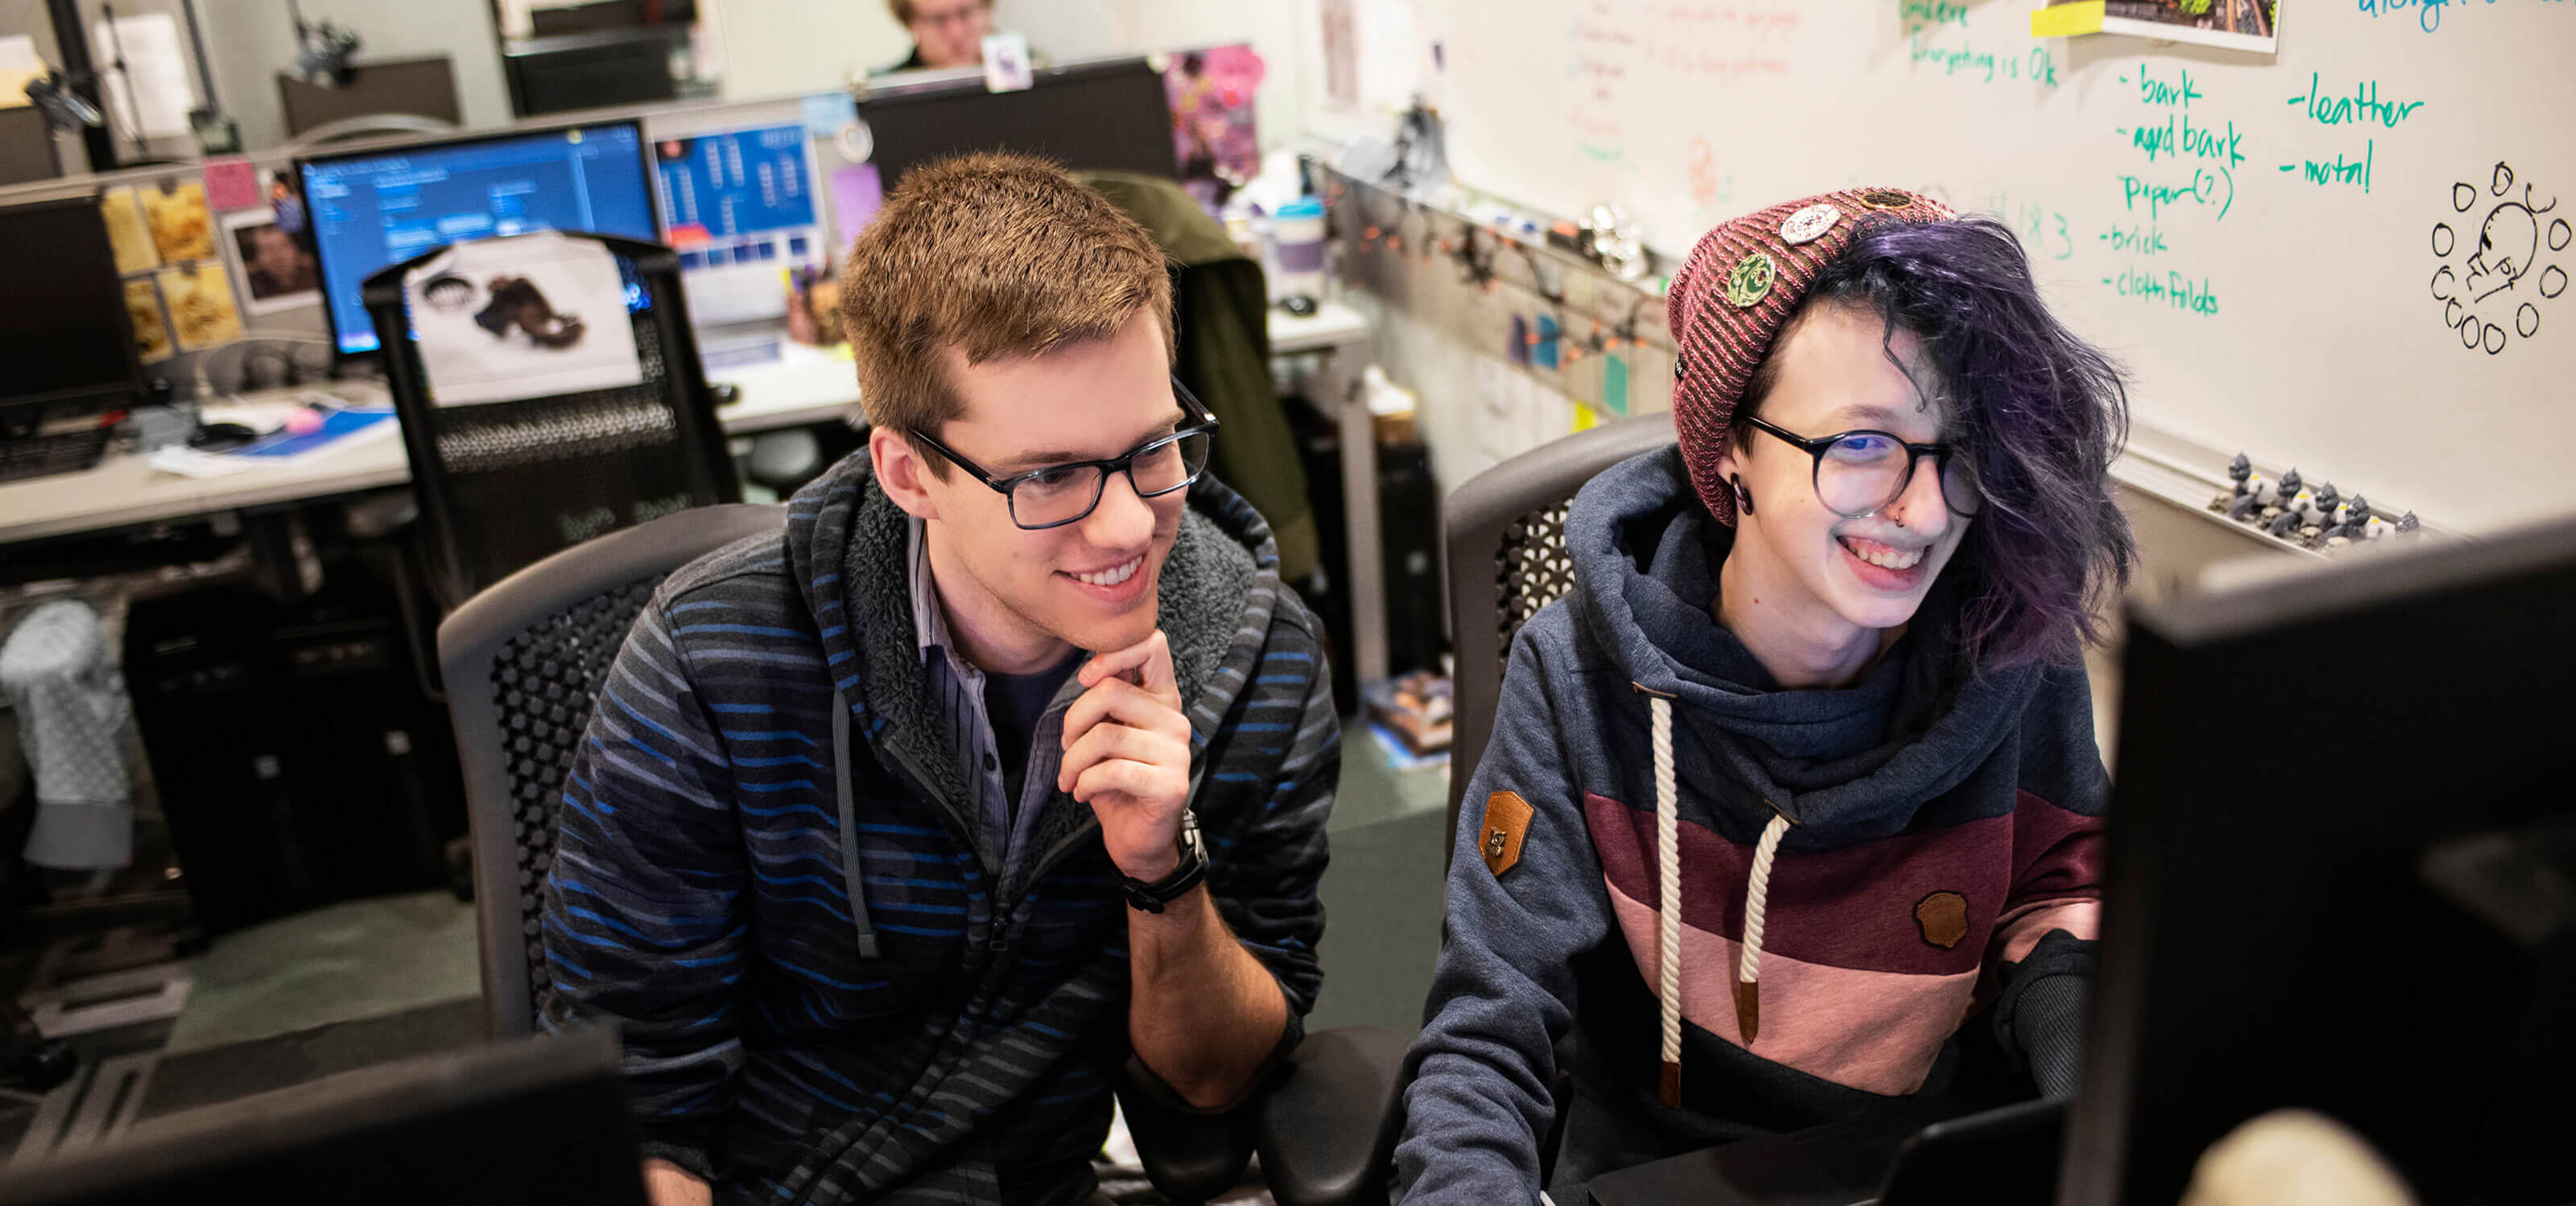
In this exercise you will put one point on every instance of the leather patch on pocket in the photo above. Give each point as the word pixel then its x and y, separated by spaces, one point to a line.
pixel 1943 918
pixel 1507 818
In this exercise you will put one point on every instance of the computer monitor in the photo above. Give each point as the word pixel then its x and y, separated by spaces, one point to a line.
pixel 2304 769
pixel 738 198
pixel 374 208
pixel 534 1120
pixel 1109 115
pixel 64 331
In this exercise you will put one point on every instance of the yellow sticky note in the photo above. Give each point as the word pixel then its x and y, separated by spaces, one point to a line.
pixel 2067 20
pixel 1584 417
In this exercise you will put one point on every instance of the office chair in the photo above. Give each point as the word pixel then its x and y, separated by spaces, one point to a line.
pixel 524 661
pixel 1505 531
pixel 1505 536
pixel 502 484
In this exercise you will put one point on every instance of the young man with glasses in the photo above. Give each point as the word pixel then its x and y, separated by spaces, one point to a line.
pixel 894 836
pixel 1802 772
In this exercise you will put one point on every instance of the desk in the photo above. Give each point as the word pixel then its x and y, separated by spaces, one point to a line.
pixel 807 385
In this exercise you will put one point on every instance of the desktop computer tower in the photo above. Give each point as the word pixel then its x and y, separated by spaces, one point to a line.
pixel 1327 592
pixel 298 761
pixel 1408 548
pixel 211 703
pixel 373 769
pixel 1408 512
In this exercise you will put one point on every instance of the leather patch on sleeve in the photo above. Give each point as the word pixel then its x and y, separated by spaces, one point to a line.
pixel 1943 917
pixel 1507 818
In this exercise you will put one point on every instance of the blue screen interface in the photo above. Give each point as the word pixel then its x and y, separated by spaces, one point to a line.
pixel 377 209
pixel 738 182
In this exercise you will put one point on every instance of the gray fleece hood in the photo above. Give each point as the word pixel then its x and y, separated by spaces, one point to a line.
pixel 1842 765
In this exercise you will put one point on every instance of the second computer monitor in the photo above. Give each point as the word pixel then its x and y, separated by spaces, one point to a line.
pixel 371 209
pixel 737 194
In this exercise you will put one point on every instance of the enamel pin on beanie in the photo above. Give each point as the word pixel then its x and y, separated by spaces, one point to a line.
pixel 1737 290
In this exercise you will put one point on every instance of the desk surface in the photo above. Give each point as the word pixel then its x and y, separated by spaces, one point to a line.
pixel 805 385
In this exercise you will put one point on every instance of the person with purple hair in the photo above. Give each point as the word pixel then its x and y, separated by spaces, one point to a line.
pixel 1801 775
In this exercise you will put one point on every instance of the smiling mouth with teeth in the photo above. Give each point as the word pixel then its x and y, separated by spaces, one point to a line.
pixel 1882 555
pixel 1112 576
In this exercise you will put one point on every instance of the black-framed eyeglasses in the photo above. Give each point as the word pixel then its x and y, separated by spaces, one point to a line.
pixel 1863 472
pixel 1061 494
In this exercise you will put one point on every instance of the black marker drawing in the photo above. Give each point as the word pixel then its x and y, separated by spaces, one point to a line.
pixel 2483 296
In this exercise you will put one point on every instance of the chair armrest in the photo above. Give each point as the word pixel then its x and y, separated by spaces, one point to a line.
pixel 1327 1132
pixel 1190 1154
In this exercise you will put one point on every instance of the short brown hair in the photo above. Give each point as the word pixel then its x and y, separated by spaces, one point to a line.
pixel 902 10
pixel 996 255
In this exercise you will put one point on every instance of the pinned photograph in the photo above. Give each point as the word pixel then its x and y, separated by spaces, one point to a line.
pixel 181 227
pixel 201 306
pixel 2250 25
pixel 276 269
pixel 287 203
pixel 151 326
pixel 528 316
pixel 126 233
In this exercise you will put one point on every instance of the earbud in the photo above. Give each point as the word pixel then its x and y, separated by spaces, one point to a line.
pixel 1743 497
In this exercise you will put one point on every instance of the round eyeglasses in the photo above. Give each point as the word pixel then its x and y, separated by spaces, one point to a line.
pixel 1864 472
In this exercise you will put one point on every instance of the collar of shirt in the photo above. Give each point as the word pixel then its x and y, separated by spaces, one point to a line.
pixel 929 620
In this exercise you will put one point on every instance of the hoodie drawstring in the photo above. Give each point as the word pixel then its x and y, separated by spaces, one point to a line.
pixel 867 930
pixel 1668 915
pixel 1757 899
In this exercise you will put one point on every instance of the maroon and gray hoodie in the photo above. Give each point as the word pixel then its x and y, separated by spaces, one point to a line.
pixel 1734 908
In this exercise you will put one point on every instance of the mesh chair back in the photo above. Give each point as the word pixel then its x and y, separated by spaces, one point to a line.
pixel 502 484
pixel 1505 531
pixel 523 663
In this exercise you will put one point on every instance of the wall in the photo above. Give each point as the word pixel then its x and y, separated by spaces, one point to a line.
pixel 29 17
pixel 252 40
pixel 785 47
pixel 2280 247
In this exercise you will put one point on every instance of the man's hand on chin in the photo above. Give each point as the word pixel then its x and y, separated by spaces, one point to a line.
pixel 1127 755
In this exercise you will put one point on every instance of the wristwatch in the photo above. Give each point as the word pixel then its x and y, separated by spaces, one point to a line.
pixel 1151 897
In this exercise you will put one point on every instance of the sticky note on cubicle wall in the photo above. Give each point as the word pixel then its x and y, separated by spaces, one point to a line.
pixel 1614 383
pixel 231 184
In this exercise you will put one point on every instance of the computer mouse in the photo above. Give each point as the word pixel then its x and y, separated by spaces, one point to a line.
pixel 221 437
pixel 1299 305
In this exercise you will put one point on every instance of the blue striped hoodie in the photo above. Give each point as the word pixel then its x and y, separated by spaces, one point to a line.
pixel 772 876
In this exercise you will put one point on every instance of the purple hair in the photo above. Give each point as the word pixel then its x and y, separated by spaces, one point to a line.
pixel 2040 411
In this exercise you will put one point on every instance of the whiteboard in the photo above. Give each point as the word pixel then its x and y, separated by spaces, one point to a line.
pixel 2280 248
